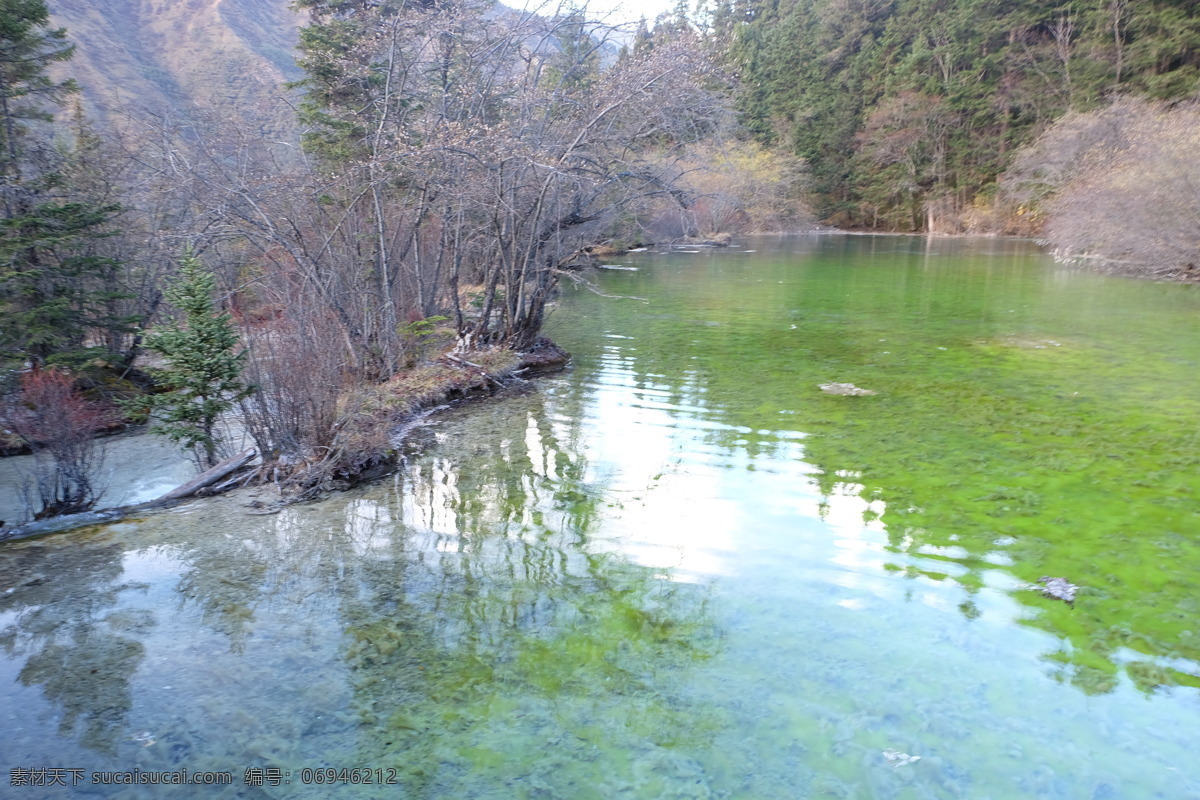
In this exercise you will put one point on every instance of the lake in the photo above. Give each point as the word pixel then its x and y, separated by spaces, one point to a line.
pixel 680 569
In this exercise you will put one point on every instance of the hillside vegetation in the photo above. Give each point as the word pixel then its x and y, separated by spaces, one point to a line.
pixel 908 111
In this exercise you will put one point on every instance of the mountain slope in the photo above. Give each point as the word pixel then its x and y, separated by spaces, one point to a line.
pixel 176 56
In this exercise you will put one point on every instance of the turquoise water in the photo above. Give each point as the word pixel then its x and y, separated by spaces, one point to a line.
pixel 680 569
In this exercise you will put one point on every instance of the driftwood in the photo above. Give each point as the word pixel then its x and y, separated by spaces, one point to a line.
pixel 209 476
pixel 458 360
pixel 201 481
pixel 487 376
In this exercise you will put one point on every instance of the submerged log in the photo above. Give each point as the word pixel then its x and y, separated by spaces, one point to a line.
pixel 55 524
pixel 67 521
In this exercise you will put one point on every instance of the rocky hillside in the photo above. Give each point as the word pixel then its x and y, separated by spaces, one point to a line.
pixel 176 56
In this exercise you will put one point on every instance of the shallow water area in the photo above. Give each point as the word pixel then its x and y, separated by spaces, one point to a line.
pixel 680 569
pixel 134 467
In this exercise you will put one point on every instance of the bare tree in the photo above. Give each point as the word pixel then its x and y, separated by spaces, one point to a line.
pixel 1118 11
pixel 905 138
pixel 1063 31
pixel 738 186
pixel 59 426
pixel 1119 185
pixel 457 155
pixel 488 147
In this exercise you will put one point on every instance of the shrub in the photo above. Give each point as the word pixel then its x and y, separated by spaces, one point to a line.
pixel 59 426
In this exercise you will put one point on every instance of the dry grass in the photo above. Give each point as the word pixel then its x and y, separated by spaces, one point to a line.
pixel 430 384
pixel 368 416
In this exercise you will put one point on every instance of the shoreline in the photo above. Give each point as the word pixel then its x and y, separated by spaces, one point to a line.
pixel 401 403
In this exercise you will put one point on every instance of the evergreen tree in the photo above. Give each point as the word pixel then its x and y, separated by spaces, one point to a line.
pixel 27 47
pixel 119 296
pixel 908 110
pixel 46 275
pixel 202 379
pixel 48 269
pixel 576 65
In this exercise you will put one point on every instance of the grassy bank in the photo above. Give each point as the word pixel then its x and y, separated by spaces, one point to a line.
pixel 366 442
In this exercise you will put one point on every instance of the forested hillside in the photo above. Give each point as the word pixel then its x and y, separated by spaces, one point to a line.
pixel 909 110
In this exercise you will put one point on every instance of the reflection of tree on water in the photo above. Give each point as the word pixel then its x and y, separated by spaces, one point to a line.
pixel 493 643
pixel 226 585
pixel 77 649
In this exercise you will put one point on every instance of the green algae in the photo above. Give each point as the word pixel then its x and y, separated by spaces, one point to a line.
pixel 561 684
pixel 1056 410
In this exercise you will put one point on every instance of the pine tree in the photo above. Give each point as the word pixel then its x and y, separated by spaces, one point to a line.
pixel 829 76
pixel 202 377
pixel 27 47
pixel 575 66
pixel 48 268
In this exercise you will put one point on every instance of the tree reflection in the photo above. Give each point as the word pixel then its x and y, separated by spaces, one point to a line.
pixel 76 648
pixel 494 625
pixel 225 583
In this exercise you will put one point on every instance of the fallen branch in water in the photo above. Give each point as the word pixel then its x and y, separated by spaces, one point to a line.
pixel 396 407
pixel 201 481
pixel 210 476
pixel 579 280
pixel 236 482
pixel 66 521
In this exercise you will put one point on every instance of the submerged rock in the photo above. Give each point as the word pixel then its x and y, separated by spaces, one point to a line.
pixel 898 759
pixel 1058 588
pixel 844 389
pixel 543 356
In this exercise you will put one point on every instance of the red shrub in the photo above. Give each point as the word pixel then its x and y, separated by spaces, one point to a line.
pixel 59 425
